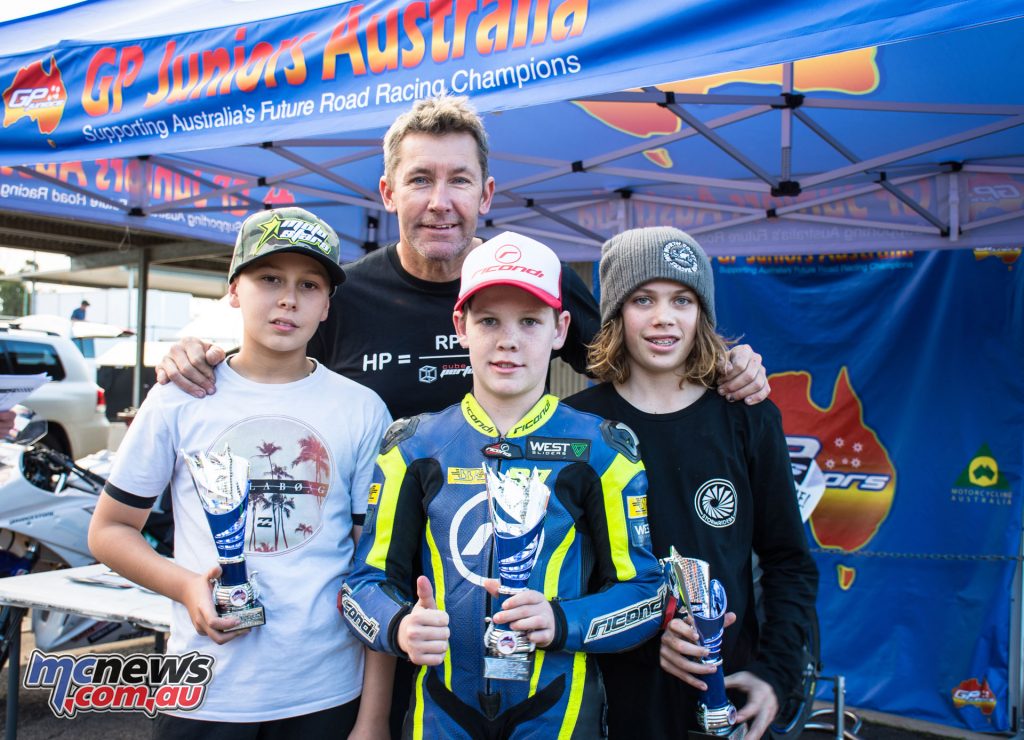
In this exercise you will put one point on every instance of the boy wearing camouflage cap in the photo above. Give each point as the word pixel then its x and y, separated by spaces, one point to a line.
pixel 300 673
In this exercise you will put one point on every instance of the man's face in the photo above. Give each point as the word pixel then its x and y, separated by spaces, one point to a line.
pixel 438 191
pixel 510 335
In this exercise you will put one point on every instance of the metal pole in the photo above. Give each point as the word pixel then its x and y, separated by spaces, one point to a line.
pixel 1016 672
pixel 140 326
pixel 840 697
pixel 13 674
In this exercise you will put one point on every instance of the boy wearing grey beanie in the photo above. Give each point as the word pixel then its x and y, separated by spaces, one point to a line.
pixel 720 485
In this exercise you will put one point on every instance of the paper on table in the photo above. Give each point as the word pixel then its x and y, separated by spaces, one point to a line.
pixel 110 579
pixel 15 388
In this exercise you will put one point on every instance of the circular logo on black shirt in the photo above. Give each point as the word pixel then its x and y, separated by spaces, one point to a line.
pixel 715 503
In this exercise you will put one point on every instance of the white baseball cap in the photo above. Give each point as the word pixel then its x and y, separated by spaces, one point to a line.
pixel 513 259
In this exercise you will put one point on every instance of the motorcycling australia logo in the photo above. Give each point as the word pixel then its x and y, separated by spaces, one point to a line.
pixel 981 482
pixel 120 683
pixel 37 94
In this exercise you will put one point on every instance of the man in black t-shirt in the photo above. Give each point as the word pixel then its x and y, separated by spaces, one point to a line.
pixel 390 324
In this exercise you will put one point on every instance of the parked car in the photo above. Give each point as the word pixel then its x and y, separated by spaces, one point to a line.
pixel 92 338
pixel 71 402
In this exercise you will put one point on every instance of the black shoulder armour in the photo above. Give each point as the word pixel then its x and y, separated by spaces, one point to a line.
pixel 400 429
pixel 621 439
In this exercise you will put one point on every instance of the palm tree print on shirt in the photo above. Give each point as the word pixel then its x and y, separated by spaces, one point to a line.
pixel 290 474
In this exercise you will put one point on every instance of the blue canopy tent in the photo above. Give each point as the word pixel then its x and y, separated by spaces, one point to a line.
pixel 829 154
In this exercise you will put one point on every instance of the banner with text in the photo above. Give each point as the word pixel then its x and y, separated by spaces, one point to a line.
pixel 354 66
pixel 896 376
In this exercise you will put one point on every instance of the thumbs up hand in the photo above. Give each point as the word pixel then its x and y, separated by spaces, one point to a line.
pixel 423 632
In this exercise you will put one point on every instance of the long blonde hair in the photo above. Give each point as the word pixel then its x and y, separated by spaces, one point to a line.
pixel 609 361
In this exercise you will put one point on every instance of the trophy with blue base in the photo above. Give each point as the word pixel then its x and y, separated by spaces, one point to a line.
pixel 694 592
pixel 222 482
pixel 517 509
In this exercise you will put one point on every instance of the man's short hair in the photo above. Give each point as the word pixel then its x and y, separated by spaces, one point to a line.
pixel 437 117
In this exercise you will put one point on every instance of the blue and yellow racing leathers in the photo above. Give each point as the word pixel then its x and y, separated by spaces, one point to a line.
pixel 428 514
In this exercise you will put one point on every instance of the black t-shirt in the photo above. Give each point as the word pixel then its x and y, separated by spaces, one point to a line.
pixel 393 332
pixel 719 486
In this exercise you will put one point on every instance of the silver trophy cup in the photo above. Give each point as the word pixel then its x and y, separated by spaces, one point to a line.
pixel 222 482
pixel 694 592
pixel 517 510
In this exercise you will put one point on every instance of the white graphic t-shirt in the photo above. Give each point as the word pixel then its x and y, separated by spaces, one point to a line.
pixel 311 446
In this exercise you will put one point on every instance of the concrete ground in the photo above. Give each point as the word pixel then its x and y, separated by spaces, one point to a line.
pixel 37 722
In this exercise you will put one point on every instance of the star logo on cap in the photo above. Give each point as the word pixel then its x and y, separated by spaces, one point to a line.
pixel 270 229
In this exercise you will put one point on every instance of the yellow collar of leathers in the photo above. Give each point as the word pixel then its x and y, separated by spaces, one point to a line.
pixel 532 420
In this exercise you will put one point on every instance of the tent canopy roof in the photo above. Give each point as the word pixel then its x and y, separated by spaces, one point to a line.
pixel 916 144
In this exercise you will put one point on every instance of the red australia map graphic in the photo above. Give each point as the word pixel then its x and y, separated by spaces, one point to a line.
pixel 36 94
pixel 860 479
pixel 972 693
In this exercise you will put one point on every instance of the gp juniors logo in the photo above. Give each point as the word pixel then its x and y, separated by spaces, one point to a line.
pixel 974 693
pixel 120 683
pixel 715 503
pixel 36 94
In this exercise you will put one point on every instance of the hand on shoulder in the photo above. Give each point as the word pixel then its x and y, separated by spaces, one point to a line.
pixel 189 365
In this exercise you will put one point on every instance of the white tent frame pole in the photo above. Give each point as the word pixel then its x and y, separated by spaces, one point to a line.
pixel 175 205
pixel 992 220
pixel 562 201
pixel 994 169
pixel 337 197
pixel 695 123
pixel 545 234
pixel 560 169
pixel 375 144
pixel 711 182
pixel 578 203
pixel 695 204
pixel 68 186
pixel 954 206
pixel 786 143
pixel 883 106
pixel 554 216
pixel 526 159
pixel 839 221
pixel 653 95
pixel 855 192
pixel 322 171
pixel 248 180
pixel 739 221
pixel 683 133
pixel 659 97
pixel 876 162
pixel 214 187
pixel 884 183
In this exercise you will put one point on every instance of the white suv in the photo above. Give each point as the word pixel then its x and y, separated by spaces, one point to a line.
pixel 71 402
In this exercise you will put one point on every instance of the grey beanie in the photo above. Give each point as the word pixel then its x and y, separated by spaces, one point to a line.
pixel 637 256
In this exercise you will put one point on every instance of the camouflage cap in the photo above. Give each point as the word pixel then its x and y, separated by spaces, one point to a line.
pixel 287 230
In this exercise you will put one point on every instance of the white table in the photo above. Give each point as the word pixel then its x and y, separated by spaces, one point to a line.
pixel 57 591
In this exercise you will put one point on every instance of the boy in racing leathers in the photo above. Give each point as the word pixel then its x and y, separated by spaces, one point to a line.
pixel 424 577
